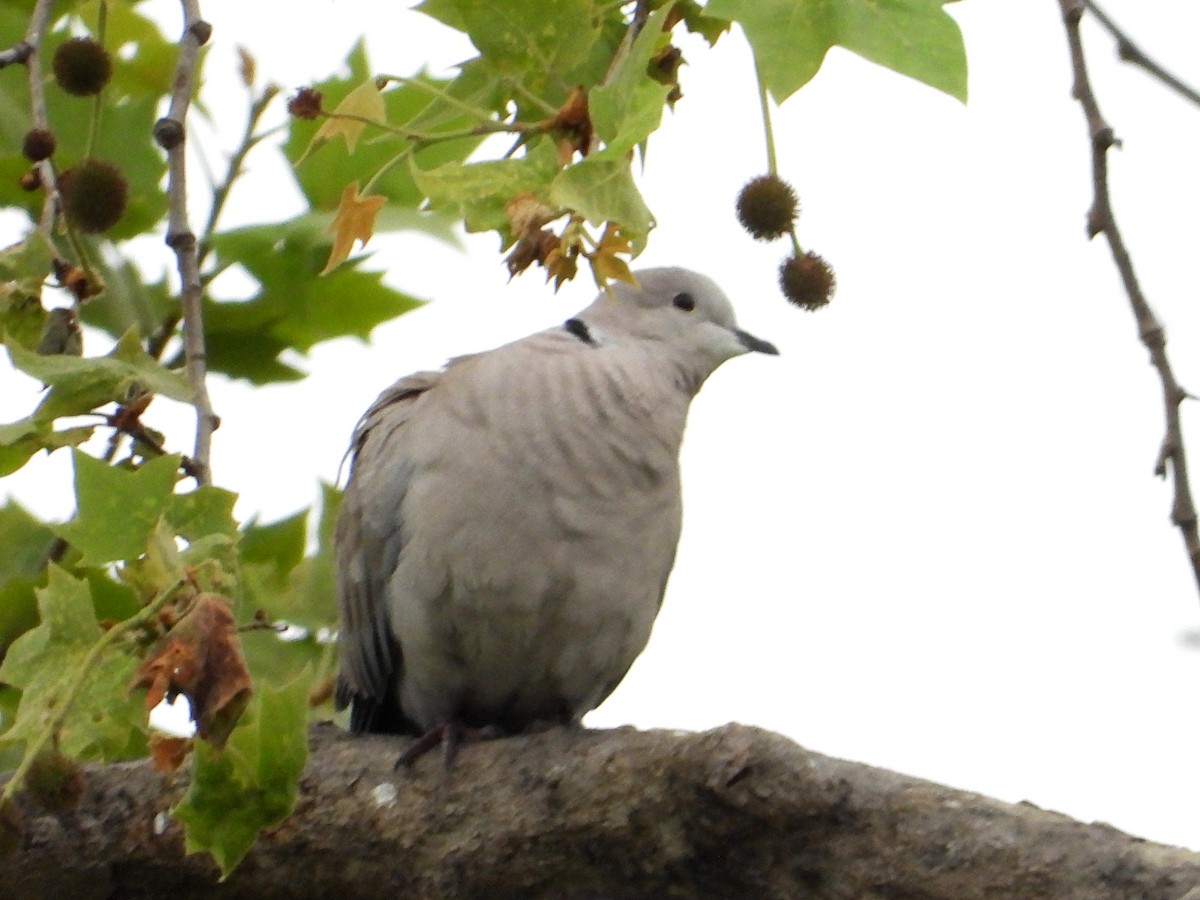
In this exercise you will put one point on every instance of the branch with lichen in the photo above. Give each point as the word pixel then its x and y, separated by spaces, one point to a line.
pixel 170 132
pixel 1101 220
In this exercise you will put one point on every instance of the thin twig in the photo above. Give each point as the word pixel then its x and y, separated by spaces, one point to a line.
pixel 37 112
pixel 234 170
pixel 1100 220
pixel 1131 53
pixel 170 132
pixel 166 330
pixel 17 53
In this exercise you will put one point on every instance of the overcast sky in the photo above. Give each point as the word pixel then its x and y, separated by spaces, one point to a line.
pixel 927 536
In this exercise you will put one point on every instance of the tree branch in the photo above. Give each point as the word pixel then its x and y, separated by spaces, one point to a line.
pixel 38 22
pixel 1131 53
pixel 18 53
pixel 162 336
pixel 735 812
pixel 170 132
pixel 1100 220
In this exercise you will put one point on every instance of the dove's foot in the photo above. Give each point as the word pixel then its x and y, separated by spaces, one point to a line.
pixel 450 734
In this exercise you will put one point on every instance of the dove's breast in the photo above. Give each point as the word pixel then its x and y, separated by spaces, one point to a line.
pixel 540 529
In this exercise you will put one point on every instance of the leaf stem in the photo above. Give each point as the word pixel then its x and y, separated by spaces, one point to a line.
pixel 482 115
pixel 765 103
pixel 94 123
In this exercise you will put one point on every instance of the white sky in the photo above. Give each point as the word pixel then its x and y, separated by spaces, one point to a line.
pixel 927 536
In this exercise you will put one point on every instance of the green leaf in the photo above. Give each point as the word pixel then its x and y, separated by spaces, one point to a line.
pixel 627 108
pixel 603 190
pixel 116 508
pixel 790 38
pixel 204 511
pixel 45 663
pixel 251 784
pixel 697 21
pixel 18 614
pixel 80 384
pixel 20 440
pixel 481 190
pixel 279 545
pixel 113 601
pixel 323 177
pixel 545 46
pixel 23 268
pixel 293 308
pixel 303 595
pixel 23 542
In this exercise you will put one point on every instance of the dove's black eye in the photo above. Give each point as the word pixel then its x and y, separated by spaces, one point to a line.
pixel 684 301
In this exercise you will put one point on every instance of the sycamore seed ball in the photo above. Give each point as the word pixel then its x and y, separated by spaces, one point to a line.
pixel 39 144
pixel 807 281
pixel 767 207
pixel 94 195
pixel 82 67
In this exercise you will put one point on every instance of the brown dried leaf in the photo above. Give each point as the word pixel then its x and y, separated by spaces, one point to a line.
pixel 168 752
pixel 201 658
pixel 526 214
pixel 536 247
pixel 573 126
pixel 246 66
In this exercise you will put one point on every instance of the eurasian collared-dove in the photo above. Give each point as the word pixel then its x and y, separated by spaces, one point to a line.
pixel 509 522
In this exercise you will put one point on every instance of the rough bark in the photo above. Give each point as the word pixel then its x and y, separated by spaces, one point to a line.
pixel 734 812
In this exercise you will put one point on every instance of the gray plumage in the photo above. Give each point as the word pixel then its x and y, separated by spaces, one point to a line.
pixel 510 522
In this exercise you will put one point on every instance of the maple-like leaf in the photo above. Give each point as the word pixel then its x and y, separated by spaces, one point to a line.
pixel 354 220
pixel 362 105
pixel 606 264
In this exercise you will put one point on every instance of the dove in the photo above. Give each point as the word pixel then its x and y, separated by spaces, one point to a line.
pixel 510 522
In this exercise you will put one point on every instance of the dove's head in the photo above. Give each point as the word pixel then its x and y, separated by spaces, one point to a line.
pixel 685 313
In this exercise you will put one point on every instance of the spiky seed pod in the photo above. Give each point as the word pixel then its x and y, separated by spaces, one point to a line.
pixel 82 67
pixel 39 144
pixel 808 281
pixel 305 103
pixel 94 194
pixel 767 207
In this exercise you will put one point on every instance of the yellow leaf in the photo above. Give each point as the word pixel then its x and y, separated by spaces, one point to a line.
pixel 354 220
pixel 605 262
pixel 362 105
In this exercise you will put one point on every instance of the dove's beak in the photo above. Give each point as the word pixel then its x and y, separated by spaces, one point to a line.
pixel 758 345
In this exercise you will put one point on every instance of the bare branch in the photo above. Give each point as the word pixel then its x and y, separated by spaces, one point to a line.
pixel 170 132
pixel 37 111
pixel 250 139
pixel 17 53
pixel 1131 53
pixel 1100 220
